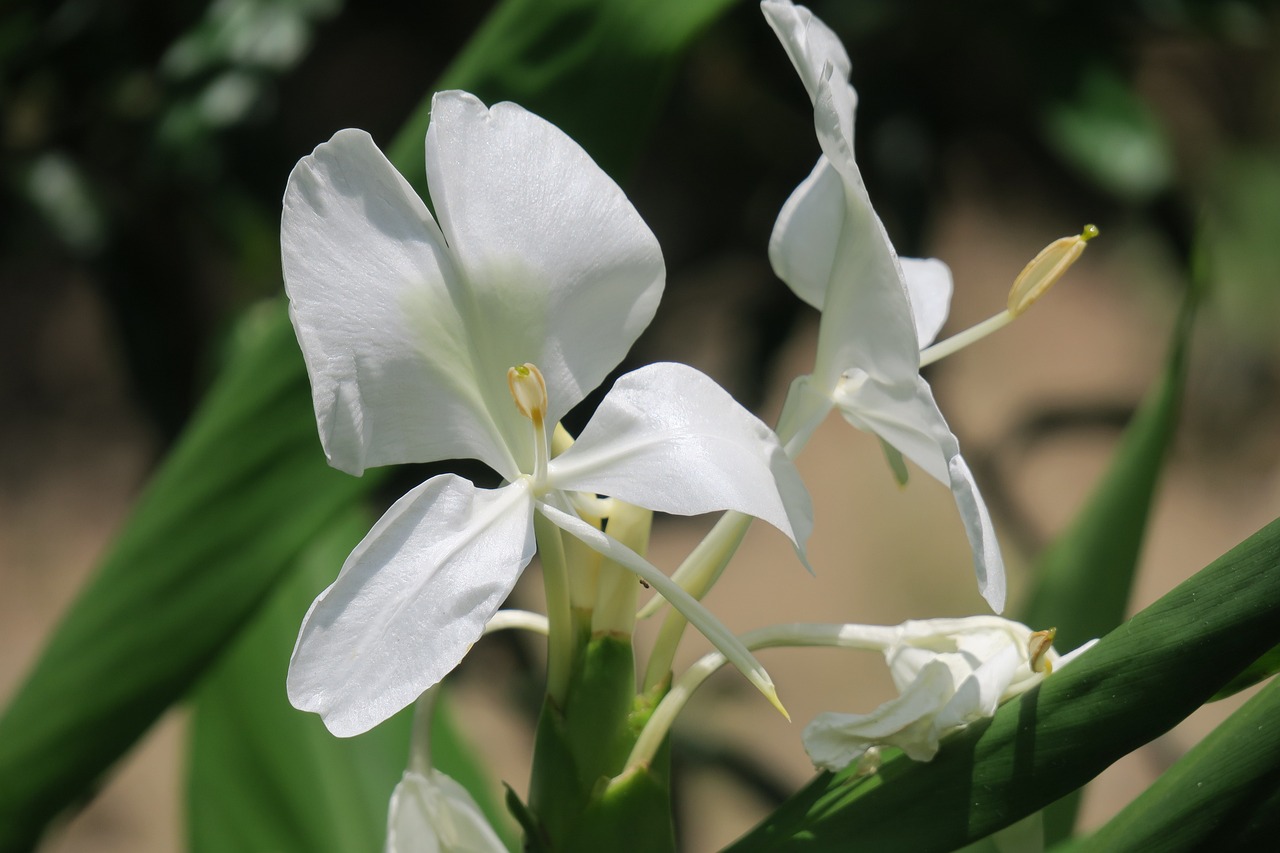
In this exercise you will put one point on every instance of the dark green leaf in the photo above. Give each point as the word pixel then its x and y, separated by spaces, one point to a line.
pixel 1082 584
pixel 1137 683
pixel 1222 795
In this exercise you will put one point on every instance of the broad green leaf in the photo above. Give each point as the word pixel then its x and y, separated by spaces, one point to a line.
pixel 1083 582
pixel 1221 795
pixel 1136 684
pixel 246 487
pixel 264 776
pixel 242 494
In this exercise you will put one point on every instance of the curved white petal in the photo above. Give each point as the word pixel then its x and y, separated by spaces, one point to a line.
pixel 810 44
pixel 867 322
pixel 834 740
pixel 372 294
pixel 688 606
pixel 979 693
pixel 929 286
pixel 802 247
pixel 561 270
pixel 906 416
pixel 410 600
pixel 668 438
pixel 431 813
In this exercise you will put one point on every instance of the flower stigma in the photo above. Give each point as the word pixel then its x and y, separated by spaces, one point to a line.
pixel 1038 645
pixel 1040 274
pixel 529 390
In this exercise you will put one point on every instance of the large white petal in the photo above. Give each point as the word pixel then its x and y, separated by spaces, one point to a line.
pixel 906 416
pixel 374 301
pixel 668 438
pixel 431 813
pixel 561 270
pixel 803 245
pixel 410 600
pixel 809 43
pixel 929 285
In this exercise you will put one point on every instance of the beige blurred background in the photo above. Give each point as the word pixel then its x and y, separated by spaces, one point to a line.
pixel 881 553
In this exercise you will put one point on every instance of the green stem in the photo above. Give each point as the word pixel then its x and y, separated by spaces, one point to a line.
pixel 561 637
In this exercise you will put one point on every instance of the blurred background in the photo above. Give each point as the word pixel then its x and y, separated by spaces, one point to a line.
pixel 145 147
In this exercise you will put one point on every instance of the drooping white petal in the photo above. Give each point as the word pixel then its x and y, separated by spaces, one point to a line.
pixel 929 286
pixel 906 416
pixel 980 692
pixel 806 236
pixel 431 813
pixel 689 607
pixel 810 44
pixel 372 294
pixel 560 269
pixel 867 320
pixel 835 740
pixel 410 600
pixel 668 438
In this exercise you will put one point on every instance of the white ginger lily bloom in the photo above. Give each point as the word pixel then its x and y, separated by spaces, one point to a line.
pixel 417 336
pixel 949 673
pixel 878 310
pixel 431 813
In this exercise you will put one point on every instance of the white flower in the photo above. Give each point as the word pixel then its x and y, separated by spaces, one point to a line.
pixel 949 672
pixel 878 310
pixel 471 339
pixel 431 813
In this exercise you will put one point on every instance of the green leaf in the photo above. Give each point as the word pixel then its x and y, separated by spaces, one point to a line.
pixel 1260 670
pixel 265 776
pixel 1136 684
pixel 242 494
pixel 1083 583
pixel 1112 137
pixel 1221 795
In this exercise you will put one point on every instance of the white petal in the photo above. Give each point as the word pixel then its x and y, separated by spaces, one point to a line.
pixel 668 438
pixel 689 607
pixel 929 286
pixel 802 247
pixel 978 695
pixel 372 296
pixel 835 740
pixel 432 813
pixel 562 272
pixel 907 417
pixel 410 601
pixel 809 42
pixel 867 321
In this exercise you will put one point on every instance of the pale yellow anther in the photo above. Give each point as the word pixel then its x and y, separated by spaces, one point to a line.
pixel 1038 650
pixel 1046 268
pixel 529 390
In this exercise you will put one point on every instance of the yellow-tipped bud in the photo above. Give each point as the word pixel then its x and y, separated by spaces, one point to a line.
pixel 1046 268
pixel 1038 650
pixel 529 390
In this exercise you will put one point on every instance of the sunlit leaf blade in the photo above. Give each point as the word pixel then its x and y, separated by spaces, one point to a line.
pixel 264 776
pixel 244 491
pixel 1222 795
pixel 1137 683
pixel 1083 582
pixel 247 486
